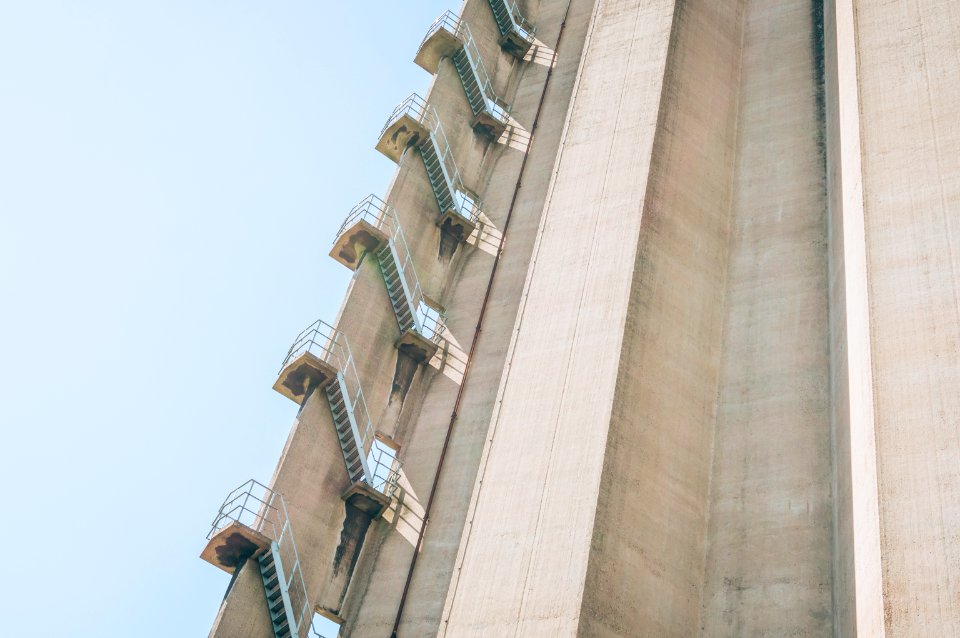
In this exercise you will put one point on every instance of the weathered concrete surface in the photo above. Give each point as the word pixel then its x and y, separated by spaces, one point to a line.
pixel 700 404
pixel 547 440
pixel 493 170
pixel 768 570
pixel 910 139
pixel 647 553
pixel 857 581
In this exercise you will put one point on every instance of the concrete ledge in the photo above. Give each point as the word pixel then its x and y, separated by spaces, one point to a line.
pixel 515 44
pixel 452 222
pixel 233 545
pixel 416 346
pixel 487 125
pixel 440 44
pixel 366 499
pixel 405 132
pixel 305 373
pixel 355 241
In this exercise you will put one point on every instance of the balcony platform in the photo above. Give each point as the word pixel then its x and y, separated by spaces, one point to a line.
pixel 233 545
pixel 515 44
pixel 305 373
pixel 366 499
pixel 456 224
pixel 439 44
pixel 416 346
pixel 401 134
pixel 353 242
pixel 486 124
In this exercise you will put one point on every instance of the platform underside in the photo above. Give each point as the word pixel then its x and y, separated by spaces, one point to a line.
pixel 441 44
pixel 303 375
pixel 356 240
pixel 366 499
pixel 401 135
pixel 233 545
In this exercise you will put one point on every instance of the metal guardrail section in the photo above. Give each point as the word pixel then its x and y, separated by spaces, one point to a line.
pixel 466 202
pixel 380 215
pixel 448 21
pixel 414 106
pixel 451 22
pixel 523 27
pixel 256 506
pixel 330 345
pixel 493 103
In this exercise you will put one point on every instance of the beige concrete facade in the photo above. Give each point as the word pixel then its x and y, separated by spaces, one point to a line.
pixel 716 387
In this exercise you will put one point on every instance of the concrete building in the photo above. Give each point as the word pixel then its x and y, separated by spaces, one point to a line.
pixel 655 333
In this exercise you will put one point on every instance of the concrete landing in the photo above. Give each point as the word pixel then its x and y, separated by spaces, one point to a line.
pixel 356 240
pixel 439 44
pixel 306 372
pixel 233 545
pixel 401 134
pixel 366 499
pixel 416 346
pixel 486 124
pixel 515 44
pixel 452 222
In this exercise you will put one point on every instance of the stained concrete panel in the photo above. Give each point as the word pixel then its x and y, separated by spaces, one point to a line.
pixel 910 135
pixel 769 557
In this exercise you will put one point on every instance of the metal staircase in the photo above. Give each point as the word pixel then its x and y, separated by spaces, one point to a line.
pixel 343 422
pixel 444 174
pixel 442 171
pixel 399 298
pixel 278 595
pixel 488 109
pixel 396 265
pixel 517 34
pixel 436 173
pixel 476 81
pixel 363 458
pixel 254 517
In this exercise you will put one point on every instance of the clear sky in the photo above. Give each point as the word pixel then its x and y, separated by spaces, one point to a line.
pixel 172 173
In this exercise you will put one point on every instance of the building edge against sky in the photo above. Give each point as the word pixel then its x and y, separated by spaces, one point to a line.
pixel 654 332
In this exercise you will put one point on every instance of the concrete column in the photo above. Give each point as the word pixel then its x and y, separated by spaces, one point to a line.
pixel 769 558
pixel 909 107
pixel 858 595
pixel 589 509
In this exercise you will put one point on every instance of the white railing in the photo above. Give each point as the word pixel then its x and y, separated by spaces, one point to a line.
pixel 383 217
pixel 256 506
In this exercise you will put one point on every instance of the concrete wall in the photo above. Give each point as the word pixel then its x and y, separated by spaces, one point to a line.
pixel 496 167
pixel 858 596
pixel 768 569
pixel 645 575
pixel 526 549
pixel 910 140
pixel 715 392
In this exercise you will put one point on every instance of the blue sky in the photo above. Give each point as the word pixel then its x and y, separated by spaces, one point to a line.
pixel 171 176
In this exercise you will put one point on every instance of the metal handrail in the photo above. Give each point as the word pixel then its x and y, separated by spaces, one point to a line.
pixel 258 507
pixel 483 78
pixel 523 27
pixel 331 346
pixel 382 216
pixel 384 469
pixel 466 203
pixel 451 22
pixel 448 21
pixel 413 105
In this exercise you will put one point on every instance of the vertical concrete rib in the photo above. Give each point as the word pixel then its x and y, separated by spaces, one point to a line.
pixel 770 534
pixel 858 593
pixel 909 105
